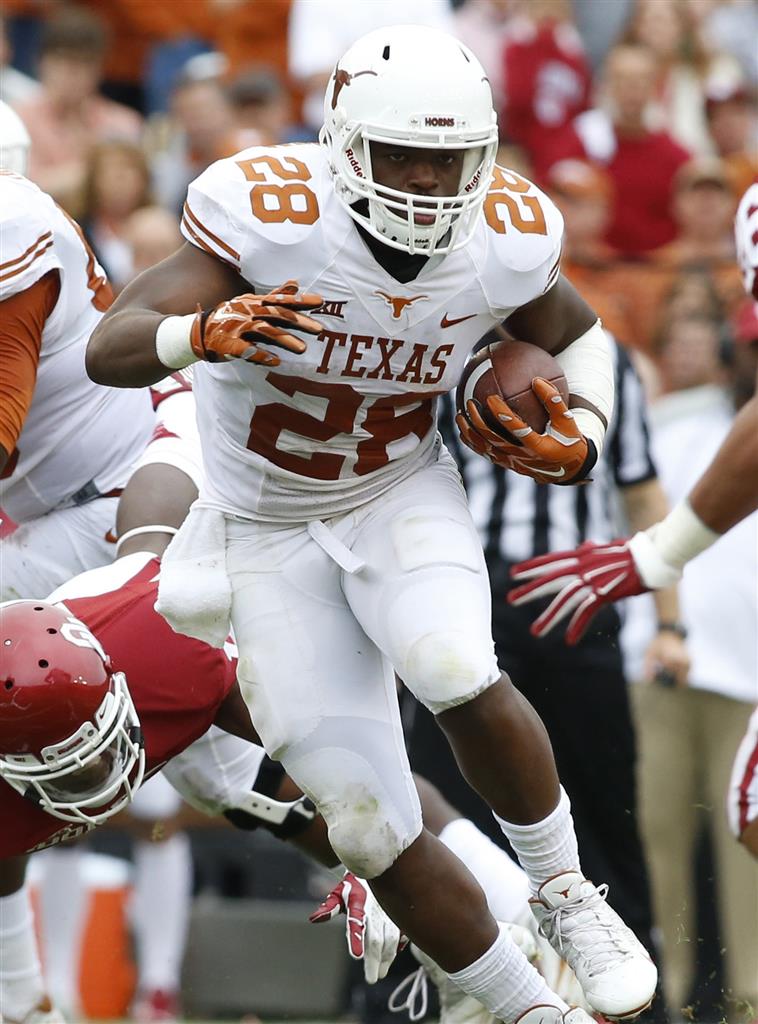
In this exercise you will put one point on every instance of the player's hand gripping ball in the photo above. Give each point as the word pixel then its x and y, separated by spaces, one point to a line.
pixel 512 405
pixel 247 326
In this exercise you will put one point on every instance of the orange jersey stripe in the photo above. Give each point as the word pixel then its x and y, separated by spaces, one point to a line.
pixel 214 238
pixel 21 325
pixel 12 262
pixel 203 245
pixel 29 260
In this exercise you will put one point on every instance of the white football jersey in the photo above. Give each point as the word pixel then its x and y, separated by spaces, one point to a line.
pixel 330 429
pixel 79 438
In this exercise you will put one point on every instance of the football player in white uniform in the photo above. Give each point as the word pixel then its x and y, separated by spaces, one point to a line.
pixel 66 444
pixel 332 527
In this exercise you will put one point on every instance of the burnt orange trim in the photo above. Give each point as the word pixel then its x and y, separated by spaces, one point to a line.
pixel 204 245
pixel 19 259
pixel 214 238
pixel 20 270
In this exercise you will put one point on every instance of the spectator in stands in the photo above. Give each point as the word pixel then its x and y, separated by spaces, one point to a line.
pixel 641 161
pixel 203 123
pixel 152 234
pixel 692 293
pixel 15 86
pixel 732 114
pixel 68 116
pixel 704 208
pixel 546 76
pixel 117 184
pixel 584 195
pixel 669 30
pixel 704 205
pixel 262 108
pixel 687 735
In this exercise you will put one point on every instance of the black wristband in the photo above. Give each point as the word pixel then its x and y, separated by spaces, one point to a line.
pixel 587 466
pixel 673 627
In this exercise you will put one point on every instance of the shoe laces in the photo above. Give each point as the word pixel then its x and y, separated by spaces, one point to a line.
pixel 411 995
pixel 580 921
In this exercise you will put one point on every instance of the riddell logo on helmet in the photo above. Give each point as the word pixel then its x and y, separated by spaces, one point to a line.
pixel 474 181
pixel 352 160
pixel 439 122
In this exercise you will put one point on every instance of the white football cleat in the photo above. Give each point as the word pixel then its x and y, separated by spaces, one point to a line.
pixel 611 964
pixel 558 976
pixel 43 1013
pixel 456 1006
pixel 554 1015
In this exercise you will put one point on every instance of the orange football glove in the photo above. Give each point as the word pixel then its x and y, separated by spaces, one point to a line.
pixel 237 329
pixel 561 455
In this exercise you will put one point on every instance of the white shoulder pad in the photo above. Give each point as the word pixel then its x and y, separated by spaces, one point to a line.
pixel 257 209
pixel 27 235
pixel 523 233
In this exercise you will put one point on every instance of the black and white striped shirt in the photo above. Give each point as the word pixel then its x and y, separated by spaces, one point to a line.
pixel 519 519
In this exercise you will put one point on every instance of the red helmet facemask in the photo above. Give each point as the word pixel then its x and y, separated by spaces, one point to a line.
pixel 70 739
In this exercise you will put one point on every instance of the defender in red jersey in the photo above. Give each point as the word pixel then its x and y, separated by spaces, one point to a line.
pixel 179 687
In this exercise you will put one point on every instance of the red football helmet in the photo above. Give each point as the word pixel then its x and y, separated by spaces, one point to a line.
pixel 70 738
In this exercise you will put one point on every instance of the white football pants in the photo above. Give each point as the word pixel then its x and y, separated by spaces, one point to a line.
pixel 325 614
pixel 46 552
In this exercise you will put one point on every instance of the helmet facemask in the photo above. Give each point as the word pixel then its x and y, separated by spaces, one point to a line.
pixel 391 214
pixel 109 750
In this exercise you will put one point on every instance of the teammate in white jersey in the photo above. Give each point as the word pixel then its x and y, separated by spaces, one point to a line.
pixel 332 526
pixel 66 444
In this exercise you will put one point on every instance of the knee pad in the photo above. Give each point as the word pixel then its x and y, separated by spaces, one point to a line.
pixel 366 794
pixel 444 669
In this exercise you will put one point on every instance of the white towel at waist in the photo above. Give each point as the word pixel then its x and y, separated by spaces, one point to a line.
pixel 194 592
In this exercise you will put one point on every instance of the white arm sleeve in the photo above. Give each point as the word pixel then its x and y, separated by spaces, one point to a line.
pixel 588 366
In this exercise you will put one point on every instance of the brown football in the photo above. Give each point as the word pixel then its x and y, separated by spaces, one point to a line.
pixel 507 369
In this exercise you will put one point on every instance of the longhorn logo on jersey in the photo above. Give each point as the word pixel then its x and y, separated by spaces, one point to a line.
pixel 399 302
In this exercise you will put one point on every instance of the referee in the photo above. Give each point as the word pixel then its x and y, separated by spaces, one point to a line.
pixel 580 693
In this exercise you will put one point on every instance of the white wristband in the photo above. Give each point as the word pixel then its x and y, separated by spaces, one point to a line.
pixel 588 366
pixel 661 552
pixel 172 342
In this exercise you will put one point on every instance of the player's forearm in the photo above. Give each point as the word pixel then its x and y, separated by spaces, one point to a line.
pixel 645 504
pixel 122 353
pixel 728 490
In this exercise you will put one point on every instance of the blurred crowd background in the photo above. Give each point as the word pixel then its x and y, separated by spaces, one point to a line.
pixel 639 117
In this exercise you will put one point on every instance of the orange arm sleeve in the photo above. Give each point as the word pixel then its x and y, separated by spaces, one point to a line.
pixel 22 320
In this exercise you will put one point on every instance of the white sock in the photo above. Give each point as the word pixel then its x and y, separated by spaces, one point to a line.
pixel 504 981
pixel 546 848
pixel 64 901
pixel 160 910
pixel 504 883
pixel 21 985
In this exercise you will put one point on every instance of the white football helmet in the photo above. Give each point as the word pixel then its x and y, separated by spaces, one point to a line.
pixel 14 141
pixel 418 87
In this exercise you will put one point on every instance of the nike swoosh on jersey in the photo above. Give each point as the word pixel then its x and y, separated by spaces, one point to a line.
pixel 444 322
